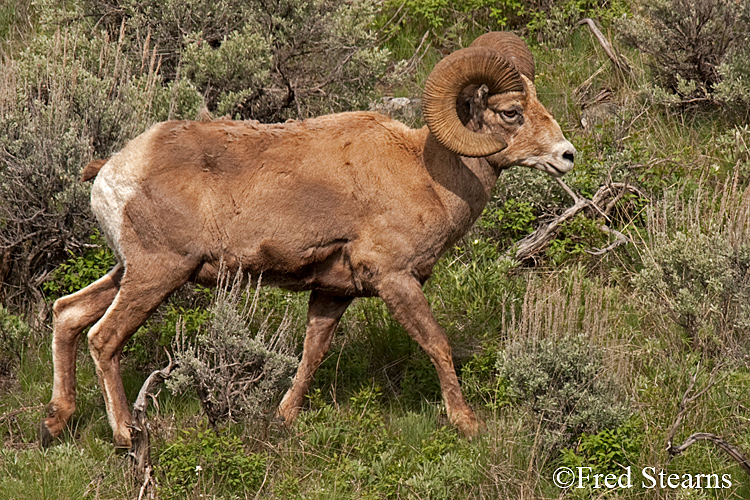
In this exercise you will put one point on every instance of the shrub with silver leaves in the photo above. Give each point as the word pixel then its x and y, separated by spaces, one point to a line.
pixel 565 383
pixel 239 366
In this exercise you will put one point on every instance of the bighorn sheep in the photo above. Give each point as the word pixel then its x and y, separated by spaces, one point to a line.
pixel 346 205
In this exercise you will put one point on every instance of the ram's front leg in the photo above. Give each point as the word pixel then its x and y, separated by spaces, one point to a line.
pixel 403 295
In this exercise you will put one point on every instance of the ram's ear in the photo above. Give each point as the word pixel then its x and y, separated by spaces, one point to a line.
pixel 479 101
pixel 529 87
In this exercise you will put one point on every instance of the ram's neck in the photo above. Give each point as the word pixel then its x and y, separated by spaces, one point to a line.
pixel 464 185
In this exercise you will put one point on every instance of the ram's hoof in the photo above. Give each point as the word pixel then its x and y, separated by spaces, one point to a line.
pixel 469 426
pixel 45 436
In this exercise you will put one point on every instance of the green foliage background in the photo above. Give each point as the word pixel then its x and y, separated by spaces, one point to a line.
pixel 579 357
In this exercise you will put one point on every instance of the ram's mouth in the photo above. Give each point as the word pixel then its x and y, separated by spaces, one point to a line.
pixel 553 170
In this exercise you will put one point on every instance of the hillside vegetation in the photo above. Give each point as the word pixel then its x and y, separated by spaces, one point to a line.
pixel 627 332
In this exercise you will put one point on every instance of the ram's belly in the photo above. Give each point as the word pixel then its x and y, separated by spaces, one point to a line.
pixel 322 267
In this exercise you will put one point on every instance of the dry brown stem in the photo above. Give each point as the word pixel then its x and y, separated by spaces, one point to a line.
pixel 688 399
pixel 537 241
pixel 617 60
pixel 140 452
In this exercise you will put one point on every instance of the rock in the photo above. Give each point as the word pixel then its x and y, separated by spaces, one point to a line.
pixel 405 109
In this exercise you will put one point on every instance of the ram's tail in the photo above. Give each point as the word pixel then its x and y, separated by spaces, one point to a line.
pixel 90 170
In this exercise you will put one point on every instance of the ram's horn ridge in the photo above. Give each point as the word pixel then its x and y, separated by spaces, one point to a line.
pixel 470 66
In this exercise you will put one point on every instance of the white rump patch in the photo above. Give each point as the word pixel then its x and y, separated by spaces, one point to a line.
pixel 116 184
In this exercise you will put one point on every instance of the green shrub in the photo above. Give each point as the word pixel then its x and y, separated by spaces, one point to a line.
pixel 565 384
pixel 491 14
pixel 550 23
pixel 15 335
pixel 574 238
pixel 238 369
pixel 260 60
pixel 206 460
pixel 508 223
pixel 699 47
pixel 80 270
pixel 702 283
pixel 608 451
pixel 64 100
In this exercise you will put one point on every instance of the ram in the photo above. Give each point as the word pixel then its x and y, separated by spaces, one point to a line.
pixel 346 205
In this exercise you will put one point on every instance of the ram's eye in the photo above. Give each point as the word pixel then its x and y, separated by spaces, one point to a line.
pixel 510 113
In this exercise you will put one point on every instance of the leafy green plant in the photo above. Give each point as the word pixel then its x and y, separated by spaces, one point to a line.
pixel 80 270
pixel 436 13
pixel 204 459
pixel 609 451
pixel 575 237
pixel 508 223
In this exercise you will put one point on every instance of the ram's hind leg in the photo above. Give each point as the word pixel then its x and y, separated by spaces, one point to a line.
pixel 323 314
pixel 146 284
pixel 72 314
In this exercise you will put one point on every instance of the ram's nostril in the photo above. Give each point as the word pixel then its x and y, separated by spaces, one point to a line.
pixel 569 156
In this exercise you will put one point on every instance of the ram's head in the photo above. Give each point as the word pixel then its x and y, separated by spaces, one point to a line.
pixel 481 102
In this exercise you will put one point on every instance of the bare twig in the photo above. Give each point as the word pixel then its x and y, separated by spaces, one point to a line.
pixel 537 241
pixel 11 415
pixel 733 452
pixel 567 189
pixel 688 399
pixel 617 60
pixel 147 485
pixel 140 451
pixel 620 239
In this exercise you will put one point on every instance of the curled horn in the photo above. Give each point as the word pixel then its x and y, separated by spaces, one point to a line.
pixel 513 48
pixel 469 66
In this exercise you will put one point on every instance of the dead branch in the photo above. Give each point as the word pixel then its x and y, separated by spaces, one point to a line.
pixel 688 399
pixel 619 189
pixel 140 451
pixel 617 60
pixel 620 239
pixel 537 241
pixel 13 414
pixel 733 452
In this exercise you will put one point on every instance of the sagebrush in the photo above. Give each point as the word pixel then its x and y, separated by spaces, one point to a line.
pixel 238 365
